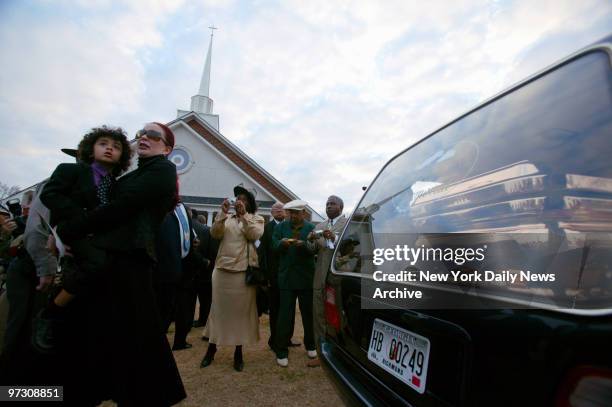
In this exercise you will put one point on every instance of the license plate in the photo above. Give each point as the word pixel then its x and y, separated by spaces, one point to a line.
pixel 400 352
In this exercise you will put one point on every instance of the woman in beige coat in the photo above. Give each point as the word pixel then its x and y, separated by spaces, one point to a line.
pixel 233 316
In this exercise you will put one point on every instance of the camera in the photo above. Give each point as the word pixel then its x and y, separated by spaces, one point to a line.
pixel 232 201
pixel 14 208
pixel 318 233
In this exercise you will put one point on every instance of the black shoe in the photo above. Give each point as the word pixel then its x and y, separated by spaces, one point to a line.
pixel 198 324
pixel 47 333
pixel 208 359
pixel 205 338
pixel 238 365
pixel 182 346
pixel 210 355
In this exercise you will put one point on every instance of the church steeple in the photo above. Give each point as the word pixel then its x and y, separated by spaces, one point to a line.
pixel 205 82
pixel 202 103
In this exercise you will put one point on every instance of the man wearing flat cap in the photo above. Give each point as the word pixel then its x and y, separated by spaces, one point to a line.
pixel 295 278
pixel 268 262
pixel 324 247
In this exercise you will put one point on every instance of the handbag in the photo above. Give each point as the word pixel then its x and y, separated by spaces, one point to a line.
pixel 254 275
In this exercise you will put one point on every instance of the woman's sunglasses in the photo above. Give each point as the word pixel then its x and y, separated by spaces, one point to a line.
pixel 151 135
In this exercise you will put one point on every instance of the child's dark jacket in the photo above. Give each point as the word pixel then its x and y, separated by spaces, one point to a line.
pixel 70 190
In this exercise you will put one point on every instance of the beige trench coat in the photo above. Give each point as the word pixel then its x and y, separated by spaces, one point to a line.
pixel 233 316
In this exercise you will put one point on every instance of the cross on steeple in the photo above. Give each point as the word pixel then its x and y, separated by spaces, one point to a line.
pixel 201 103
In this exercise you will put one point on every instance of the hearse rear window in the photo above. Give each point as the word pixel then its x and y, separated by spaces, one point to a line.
pixel 536 161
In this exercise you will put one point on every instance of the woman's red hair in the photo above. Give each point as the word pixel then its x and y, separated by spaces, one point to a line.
pixel 169 136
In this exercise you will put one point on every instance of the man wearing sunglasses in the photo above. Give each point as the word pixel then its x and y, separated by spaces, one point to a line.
pixel 131 359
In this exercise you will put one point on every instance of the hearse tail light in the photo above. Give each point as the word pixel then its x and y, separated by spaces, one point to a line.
pixel 332 316
pixel 586 386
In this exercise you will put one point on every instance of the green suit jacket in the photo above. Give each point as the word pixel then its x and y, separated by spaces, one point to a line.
pixel 296 264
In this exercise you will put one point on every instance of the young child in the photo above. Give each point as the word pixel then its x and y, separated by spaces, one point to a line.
pixel 103 154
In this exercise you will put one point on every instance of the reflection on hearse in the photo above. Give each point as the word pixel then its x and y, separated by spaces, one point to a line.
pixel 524 181
pixel 528 176
pixel 527 220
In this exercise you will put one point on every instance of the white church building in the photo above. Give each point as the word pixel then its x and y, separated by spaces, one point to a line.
pixel 209 165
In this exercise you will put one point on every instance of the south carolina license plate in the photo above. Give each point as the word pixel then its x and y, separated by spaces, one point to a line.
pixel 400 352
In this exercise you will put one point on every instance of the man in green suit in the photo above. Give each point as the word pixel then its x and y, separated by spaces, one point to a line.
pixel 295 278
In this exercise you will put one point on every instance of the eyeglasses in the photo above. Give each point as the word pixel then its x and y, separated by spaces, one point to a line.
pixel 151 135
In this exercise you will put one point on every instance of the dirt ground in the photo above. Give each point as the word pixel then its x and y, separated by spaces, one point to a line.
pixel 261 383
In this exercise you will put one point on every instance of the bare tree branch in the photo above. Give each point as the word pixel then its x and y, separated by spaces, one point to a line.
pixel 6 191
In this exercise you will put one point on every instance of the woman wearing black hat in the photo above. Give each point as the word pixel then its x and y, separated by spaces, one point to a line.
pixel 233 316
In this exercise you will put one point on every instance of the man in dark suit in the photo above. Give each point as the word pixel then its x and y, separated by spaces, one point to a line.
pixel 268 261
pixel 178 260
pixel 192 261
pixel 167 271
pixel 203 279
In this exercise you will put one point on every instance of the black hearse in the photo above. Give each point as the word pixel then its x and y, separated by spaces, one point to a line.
pixel 526 177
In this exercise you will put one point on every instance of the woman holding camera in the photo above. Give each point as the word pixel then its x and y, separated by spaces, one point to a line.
pixel 233 314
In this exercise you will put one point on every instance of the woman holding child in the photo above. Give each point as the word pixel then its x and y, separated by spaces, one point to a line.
pixel 128 358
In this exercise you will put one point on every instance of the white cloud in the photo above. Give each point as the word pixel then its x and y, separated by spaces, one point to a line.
pixel 63 75
pixel 334 89
pixel 406 70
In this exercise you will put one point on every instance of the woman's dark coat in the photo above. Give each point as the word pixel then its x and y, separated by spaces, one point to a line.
pixel 132 362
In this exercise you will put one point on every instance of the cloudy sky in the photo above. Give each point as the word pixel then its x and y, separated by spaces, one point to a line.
pixel 321 93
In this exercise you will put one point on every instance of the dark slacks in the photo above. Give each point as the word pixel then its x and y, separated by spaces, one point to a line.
pixel 18 359
pixel 274 303
pixel 183 318
pixel 20 291
pixel 287 314
pixel 204 294
pixel 165 295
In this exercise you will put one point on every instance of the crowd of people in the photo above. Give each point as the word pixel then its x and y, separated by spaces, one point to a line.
pixel 98 262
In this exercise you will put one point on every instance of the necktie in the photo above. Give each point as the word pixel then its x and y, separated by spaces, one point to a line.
pixel 328 242
pixel 181 215
pixel 104 189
